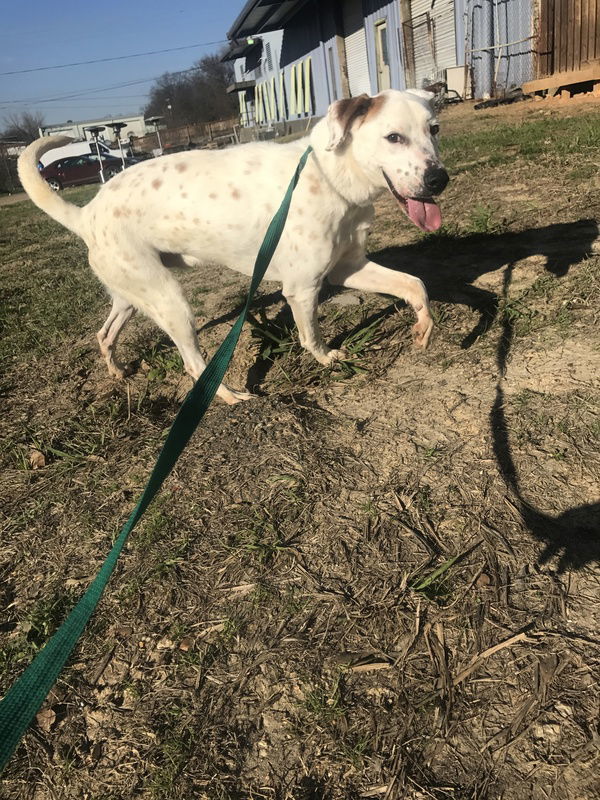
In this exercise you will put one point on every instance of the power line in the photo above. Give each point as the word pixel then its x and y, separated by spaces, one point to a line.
pixel 114 58
pixel 97 90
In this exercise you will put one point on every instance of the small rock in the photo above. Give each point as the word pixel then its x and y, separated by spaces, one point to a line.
pixel 563 709
pixel 37 459
pixel 346 299
pixel 547 732
pixel 45 719
pixel 483 581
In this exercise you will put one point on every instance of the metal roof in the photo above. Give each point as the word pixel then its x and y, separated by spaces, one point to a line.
pixel 260 16
pixel 240 48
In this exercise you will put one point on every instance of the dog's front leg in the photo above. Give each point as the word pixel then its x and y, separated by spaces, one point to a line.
pixel 304 302
pixel 359 273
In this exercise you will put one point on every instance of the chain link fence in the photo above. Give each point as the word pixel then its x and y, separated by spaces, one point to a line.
pixel 500 44
pixel 9 180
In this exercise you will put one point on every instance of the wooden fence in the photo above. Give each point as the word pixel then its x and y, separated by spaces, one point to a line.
pixel 208 134
pixel 569 37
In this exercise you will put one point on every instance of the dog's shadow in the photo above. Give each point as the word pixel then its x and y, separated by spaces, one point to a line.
pixel 448 265
pixel 573 536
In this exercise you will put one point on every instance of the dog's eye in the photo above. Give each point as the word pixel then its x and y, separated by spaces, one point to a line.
pixel 434 130
pixel 396 138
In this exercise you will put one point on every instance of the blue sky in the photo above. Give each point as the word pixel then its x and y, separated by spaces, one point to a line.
pixel 41 34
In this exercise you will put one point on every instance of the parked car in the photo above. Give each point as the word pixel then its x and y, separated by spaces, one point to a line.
pixel 83 148
pixel 77 170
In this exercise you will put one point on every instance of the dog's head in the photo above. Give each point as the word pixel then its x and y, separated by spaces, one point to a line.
pixel 393 139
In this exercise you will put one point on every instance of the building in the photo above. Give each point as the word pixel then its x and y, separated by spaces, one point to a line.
pixel 293 58
pixel 136 126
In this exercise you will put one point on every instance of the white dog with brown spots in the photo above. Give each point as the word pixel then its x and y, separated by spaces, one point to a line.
pixel 214 206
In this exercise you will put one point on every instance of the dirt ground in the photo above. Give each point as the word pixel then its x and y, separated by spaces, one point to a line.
pixel 375 581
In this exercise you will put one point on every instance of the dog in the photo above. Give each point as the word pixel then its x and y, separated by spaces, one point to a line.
pixel 213 206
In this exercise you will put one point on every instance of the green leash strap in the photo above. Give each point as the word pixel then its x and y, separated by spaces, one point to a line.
pixel 24 698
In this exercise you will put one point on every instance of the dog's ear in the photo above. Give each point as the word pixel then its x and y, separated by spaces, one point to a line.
pixel 342 114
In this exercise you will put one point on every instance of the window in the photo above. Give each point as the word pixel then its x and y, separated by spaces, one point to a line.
pixel 269 57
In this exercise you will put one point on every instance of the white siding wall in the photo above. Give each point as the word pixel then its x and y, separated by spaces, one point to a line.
pixel 436 50
pixel 356 48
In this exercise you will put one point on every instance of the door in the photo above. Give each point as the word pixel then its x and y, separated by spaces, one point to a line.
pixel 79 169
pixel 381 54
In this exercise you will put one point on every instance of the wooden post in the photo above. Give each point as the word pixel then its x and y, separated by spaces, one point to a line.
pixel 408 45
pixel 341 49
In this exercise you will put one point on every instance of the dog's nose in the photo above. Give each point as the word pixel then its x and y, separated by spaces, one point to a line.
pixel 435 179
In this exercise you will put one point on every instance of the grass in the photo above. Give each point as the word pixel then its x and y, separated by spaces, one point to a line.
pixel 496 145
pixel 291 618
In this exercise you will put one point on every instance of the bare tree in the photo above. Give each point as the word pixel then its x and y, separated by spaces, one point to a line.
pixel 24 126
pixel 198 96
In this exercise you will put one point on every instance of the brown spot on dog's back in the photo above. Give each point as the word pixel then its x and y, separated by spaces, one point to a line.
pixel 184 194
pixel 116 212
pixel 196 221
pixel 212 196
pixel 181 167
pixel 156 183
pixel 314 188
pixel 235 194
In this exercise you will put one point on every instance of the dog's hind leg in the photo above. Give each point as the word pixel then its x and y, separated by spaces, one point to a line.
pixel 151 288
pixel 120 314
pixel 370 277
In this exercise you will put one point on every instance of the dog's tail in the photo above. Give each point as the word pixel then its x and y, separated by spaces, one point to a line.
pixel 39 191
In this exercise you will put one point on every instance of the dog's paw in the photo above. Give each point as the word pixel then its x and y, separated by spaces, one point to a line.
pixel 233 396
pixel 331 357
pixel 422 332
pixel 119 371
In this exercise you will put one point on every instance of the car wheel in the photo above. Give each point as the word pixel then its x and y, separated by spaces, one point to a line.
pixel 110 173
pixel 54 184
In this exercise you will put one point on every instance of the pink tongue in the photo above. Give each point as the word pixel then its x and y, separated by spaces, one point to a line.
pixel 426 216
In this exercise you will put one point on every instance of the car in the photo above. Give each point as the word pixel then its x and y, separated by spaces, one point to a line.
pixel 80 149
pixel 77 170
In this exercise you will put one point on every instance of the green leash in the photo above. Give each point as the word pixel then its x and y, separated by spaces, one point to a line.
pixel 24 698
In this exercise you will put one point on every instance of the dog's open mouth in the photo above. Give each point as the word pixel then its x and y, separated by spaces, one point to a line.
pixel 424 212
